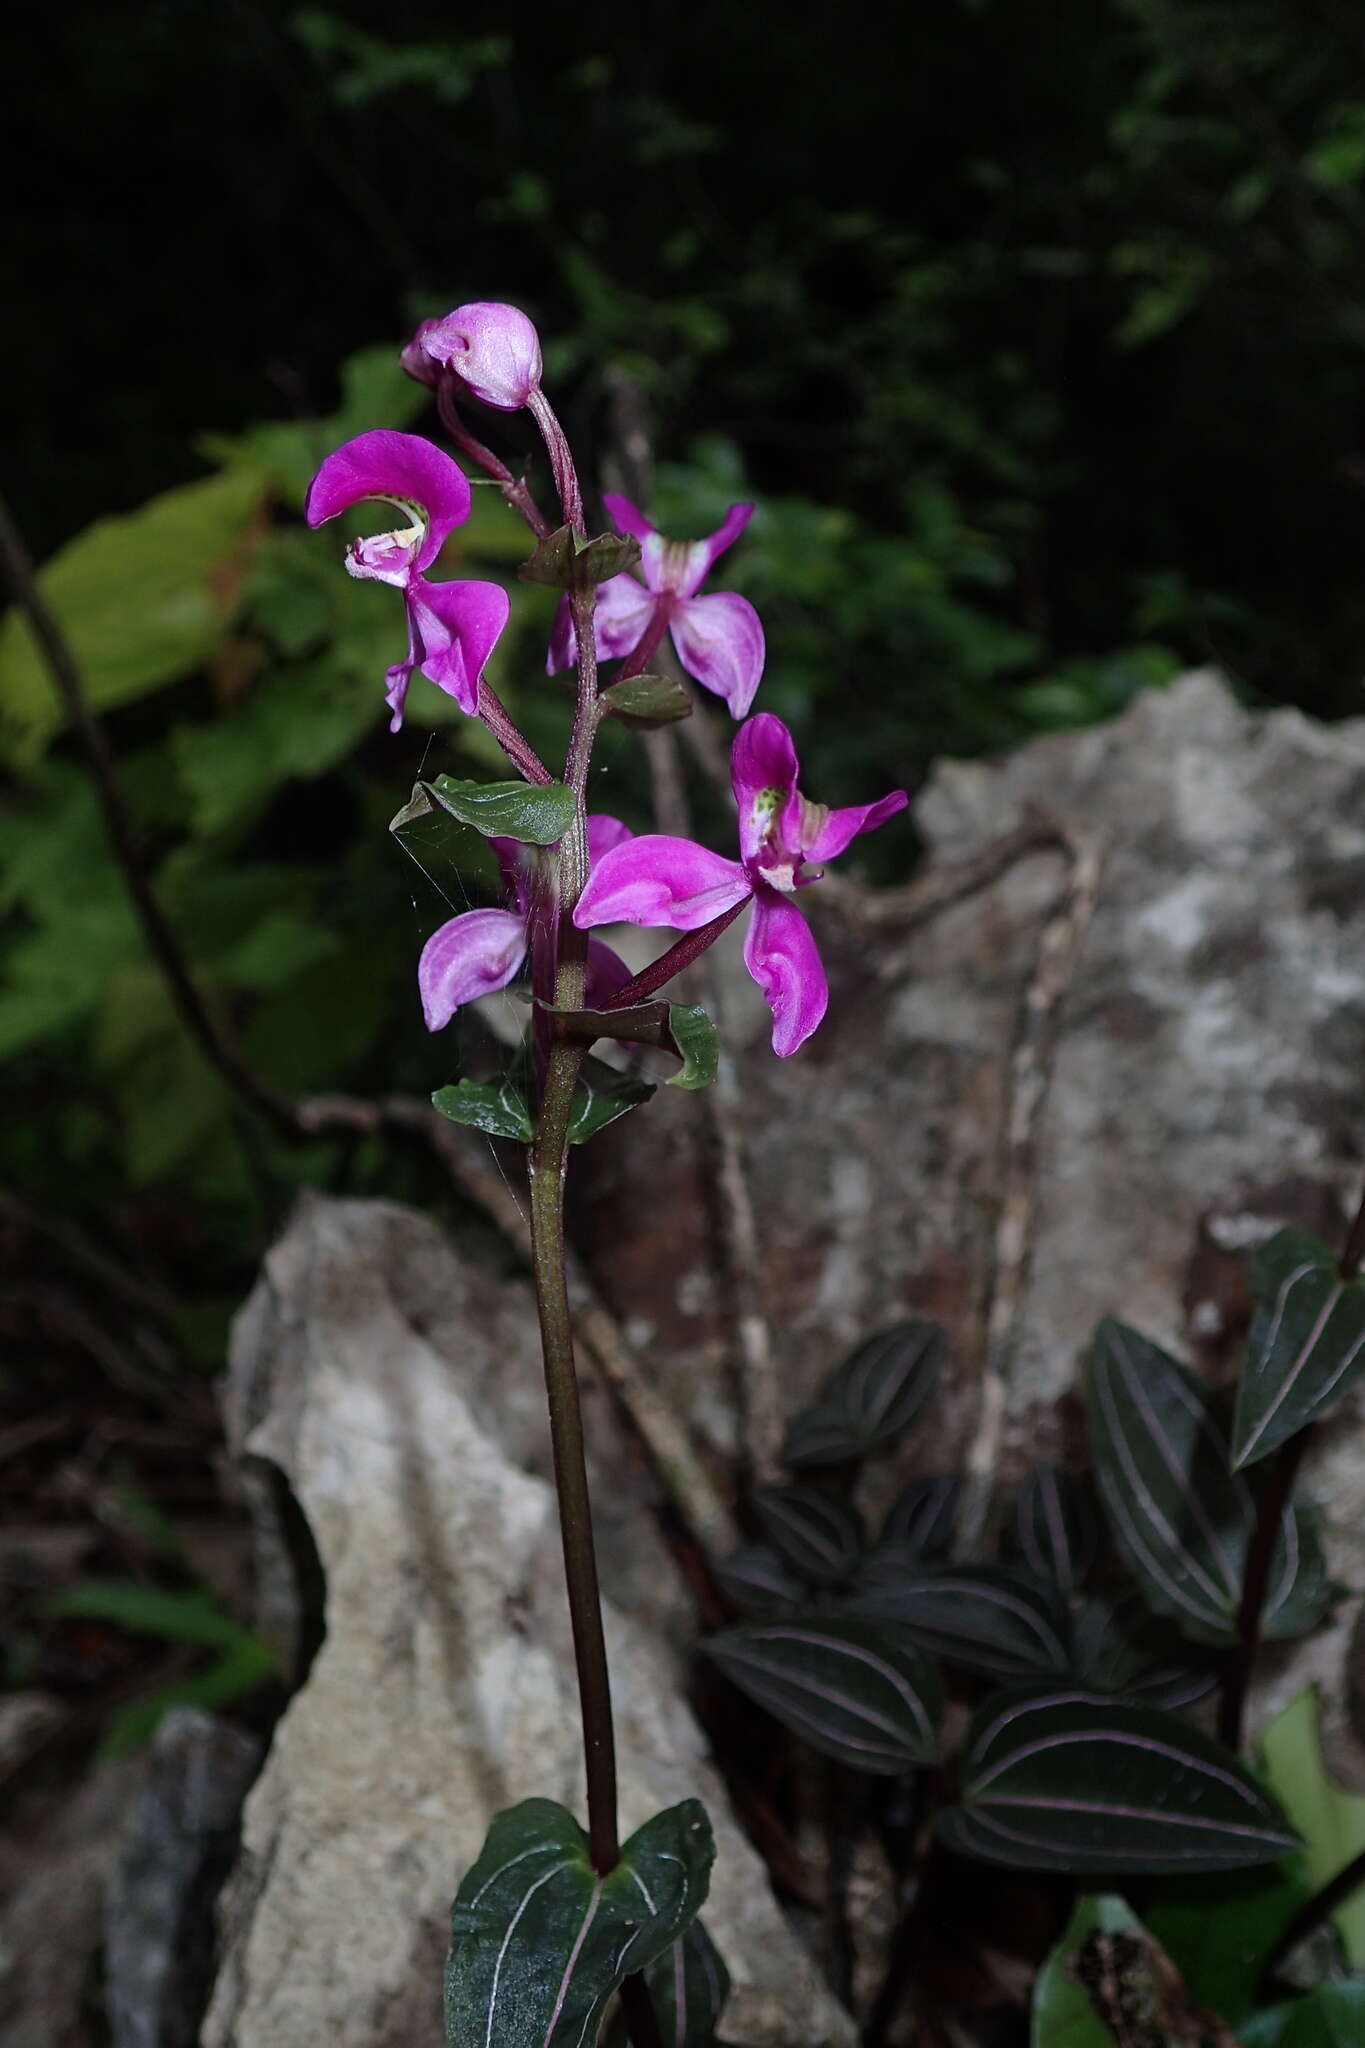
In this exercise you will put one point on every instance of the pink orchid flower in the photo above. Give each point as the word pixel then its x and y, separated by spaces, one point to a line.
pixel 718 639
pixel 658 880
pixel 452 627
pixel 480 951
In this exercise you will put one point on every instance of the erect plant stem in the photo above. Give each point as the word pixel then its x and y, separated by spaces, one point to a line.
pixel 1241 1658
pixel 514 488
pixel 549 1153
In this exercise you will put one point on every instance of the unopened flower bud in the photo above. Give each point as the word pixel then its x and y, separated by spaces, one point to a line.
pixel 415 359
pixel 493 349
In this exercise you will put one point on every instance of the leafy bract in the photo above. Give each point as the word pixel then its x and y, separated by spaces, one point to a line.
pixel 563 561
pixel 539 814
pixel 846 1686
pixel 1307 1343
pixel 1181 1516
pixel 539 1941
pixel 1095 1786
pixel 498 1107
pixel 871 1400
pixel 648 701
pixel 994 1619
pixel 603 1094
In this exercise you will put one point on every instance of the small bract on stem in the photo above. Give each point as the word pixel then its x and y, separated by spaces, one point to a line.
pixel 565 873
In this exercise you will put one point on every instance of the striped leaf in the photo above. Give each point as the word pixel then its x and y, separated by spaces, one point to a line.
pixel 820 1537
pixel 1117 1646
pixel 760 1581
pixel 993 1619
pixel 539 1942
pixel 848 1687
pixel 923 1519
pixel 1179 1513
pixel 1093 1786
pixel 689 1985
pixel 1307 1342
pixel 1053 1529
pixel 871 1400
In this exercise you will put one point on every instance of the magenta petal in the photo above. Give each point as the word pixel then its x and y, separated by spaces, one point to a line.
pixel 703 554
pixel 605 832
pixel 840 827
pixel 606 972
pixel 624 610
pixel 471 956
pixel 657 880
pixel 458 624
pixel 720 642
pixel 781 955
pixel 398 467
pixel 763 772
pixel 627 517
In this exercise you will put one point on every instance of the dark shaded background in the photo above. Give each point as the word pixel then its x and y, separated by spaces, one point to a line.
pixel 1035 333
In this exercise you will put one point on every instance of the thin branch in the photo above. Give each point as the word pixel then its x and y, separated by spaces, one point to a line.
pixel 1312 1914
pixel 1030 1071
pixel 122 833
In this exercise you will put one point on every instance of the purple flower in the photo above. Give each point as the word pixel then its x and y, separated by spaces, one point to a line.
pixel 493 349
pixel 452 627
pixel 657 880
pixel 718 639
pixel 480 951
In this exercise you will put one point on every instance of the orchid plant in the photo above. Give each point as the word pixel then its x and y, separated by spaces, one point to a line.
pixel 1076 1761
pixel 554 1922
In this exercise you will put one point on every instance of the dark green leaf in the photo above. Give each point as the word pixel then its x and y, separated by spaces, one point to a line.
pixel 697 1044
pixel 994 1619
pixel 820 1536
pixel 1181 1516
pixel 1053 1529
pixel 648 701
pixel 498 1107
pixel 1307 1343
pixel 146 1610
pixel 760 1581
pixel 601 1096
pixel 688 1985
pixel 539 814
pixel 539 1942
pixel 871 1400
pixel 564 562
pixel 847 1687
pixel 1119 1646
pixel 922 1520
pixel 1064 2014
pixel 1093 1786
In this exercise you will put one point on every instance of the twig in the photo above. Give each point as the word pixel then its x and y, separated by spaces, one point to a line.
pixel 161 940
pixel 1030 1070
pixel 1312 1914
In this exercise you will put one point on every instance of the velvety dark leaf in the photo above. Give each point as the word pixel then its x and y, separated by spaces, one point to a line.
pixel 848 1687
pixel 821 1537
pixel 648 701
pixel 498 1107
pixel 563 561
pixel 921 1522
pixel 871 1400
pixel 688 1985
pixel 760 1581
pixel 1053 1528
pixel 1092 1785
pixel 1119 1646
pixel 602 1095
pixel 1307 1343
pixel 538 814
pixel 539 1942
pixel 995 1619
pixel 1181 1516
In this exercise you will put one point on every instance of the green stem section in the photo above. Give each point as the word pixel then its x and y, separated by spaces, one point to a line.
pixel 549 1158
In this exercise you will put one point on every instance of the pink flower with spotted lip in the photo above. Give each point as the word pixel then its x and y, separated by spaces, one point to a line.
pixel 718 639
pixel 659 880
pixel 480 951
pixel 452 627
